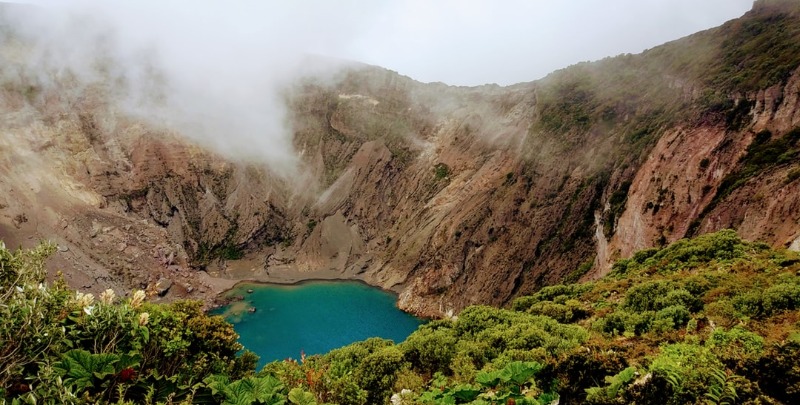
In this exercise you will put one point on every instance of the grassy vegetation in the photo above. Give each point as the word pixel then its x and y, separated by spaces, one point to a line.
pixel 758 51
pixel 709 320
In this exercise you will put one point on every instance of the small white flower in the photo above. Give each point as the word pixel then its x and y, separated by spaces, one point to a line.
pixel 88 310
pixel 19 288
pixel 107 297
pixel 143 318
pixel 137 299
pixel 84 300
pixel 398 398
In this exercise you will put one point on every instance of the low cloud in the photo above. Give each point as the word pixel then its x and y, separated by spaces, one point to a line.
pixel 214 72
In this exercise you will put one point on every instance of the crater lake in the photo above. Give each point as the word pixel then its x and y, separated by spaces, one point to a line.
pixel 282 321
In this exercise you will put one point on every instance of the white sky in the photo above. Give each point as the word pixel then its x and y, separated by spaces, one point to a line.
pixel 461 42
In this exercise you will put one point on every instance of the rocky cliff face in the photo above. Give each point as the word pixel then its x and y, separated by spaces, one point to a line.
pixel 702 179
pixel 449 195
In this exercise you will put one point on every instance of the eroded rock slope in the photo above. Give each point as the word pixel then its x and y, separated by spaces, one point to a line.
pixel 449 195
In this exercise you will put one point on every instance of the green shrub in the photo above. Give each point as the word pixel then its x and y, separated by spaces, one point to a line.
pixel 646 296
pixel 569 312
pixel 641 256
pixel 687 369
pixel 430 349
pixel 697 285
pixel 441 171
pixel 679 297
pixel 78 347
pixel 622 322
pixel 737 342
pixel 377 373
pixel 723 312
pixel 780 297
pixel 777 372
pixel 749 303
pixel 670 318
pixel 559 293
pixel 67 345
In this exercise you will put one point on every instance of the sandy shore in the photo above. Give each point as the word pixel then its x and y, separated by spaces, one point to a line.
pixel 224 278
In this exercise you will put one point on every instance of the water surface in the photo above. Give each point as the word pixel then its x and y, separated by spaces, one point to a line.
pixel 313 317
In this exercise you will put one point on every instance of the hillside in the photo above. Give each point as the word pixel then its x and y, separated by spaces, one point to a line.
pixel 709 320
pixel 450 196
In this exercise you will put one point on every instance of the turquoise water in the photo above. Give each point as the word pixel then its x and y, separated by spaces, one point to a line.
pixel 313 317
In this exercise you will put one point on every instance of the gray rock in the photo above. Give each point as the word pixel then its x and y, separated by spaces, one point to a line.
pixel 162 286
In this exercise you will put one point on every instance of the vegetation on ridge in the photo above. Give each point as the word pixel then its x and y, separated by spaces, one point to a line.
pixel 621 105
pixel 709 320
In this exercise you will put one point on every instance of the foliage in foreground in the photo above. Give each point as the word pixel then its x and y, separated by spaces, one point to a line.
pixel 710 320
pixel 62 347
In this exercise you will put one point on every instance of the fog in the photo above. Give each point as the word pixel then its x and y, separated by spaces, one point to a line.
pixel 211 71
pixel 214 70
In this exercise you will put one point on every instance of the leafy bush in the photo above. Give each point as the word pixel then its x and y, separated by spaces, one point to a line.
pixel 615 383
pixel 679 297
pixel 441 171
pixel 430 349
pixel 724 245
pixel 569 312
pixel 780 297
pixel 377 373
pixel 625 322
pixel 737 300
pixel 647 296
pixel 59 345
pixel 670 318
pixel 736 342
pixel 560 292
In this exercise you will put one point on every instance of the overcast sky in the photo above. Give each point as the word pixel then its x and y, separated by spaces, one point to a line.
pixel 462 42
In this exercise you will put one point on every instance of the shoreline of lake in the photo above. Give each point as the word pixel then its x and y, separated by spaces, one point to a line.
pixel 248 270
pixel 313 316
